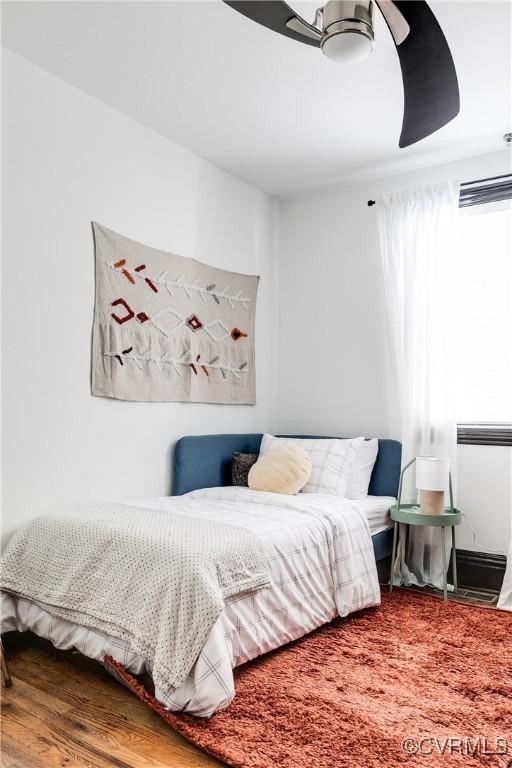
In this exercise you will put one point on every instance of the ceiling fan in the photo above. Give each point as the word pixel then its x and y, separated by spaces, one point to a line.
pixel 343 29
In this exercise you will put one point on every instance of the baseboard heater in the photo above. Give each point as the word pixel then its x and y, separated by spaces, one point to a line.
pixel 481 572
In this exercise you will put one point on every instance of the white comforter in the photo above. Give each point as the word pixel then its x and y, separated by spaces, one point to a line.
pixel 322 565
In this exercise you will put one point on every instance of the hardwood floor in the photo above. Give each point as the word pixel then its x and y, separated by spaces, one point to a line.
pixel 64 711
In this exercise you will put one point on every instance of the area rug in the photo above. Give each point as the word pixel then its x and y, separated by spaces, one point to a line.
pixel 415 682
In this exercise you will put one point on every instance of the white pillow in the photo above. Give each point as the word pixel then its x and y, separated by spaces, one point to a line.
pixel 332 461
pixel 362 469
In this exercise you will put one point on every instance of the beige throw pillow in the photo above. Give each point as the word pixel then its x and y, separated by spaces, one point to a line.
pixel 286 469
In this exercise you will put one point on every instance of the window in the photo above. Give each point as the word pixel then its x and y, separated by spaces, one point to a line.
pixel 483 343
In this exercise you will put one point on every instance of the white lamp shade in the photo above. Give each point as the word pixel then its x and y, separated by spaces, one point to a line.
pixel 432 474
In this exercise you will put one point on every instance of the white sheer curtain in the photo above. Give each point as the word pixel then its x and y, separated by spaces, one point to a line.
pixel 417 239
pixel 505 598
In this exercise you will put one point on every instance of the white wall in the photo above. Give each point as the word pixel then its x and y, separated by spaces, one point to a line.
pixel 485 495
pixel 334 377
pixel 67 160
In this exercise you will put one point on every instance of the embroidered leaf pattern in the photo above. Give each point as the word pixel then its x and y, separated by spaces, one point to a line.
pixel 186 360
pixel 189 288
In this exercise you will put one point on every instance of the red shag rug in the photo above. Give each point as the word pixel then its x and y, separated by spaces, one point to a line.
pixel 347 695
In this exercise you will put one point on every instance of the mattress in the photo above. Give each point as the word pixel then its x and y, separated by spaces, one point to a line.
pixel 300 599
pixel 376 510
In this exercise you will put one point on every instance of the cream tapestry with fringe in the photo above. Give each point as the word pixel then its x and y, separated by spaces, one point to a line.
pixel 170 328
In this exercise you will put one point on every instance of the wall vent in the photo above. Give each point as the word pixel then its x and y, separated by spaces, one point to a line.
pixel 481 597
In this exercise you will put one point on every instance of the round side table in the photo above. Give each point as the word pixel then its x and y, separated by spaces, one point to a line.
pixel 410 514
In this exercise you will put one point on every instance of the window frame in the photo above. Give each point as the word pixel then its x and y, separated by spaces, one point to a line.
pixel 477 193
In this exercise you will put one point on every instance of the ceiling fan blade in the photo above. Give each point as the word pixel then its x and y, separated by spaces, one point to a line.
pixel 275 14
pixel 398 26
pixel 431 90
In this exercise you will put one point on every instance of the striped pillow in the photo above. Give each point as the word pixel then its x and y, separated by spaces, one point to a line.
pixel 332 461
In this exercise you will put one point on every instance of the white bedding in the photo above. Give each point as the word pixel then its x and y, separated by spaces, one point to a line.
pixel 322 565
pixel 376 509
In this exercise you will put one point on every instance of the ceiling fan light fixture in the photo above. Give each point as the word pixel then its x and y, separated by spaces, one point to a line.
pixel 347 30
pixel 344 31
pixel 347 46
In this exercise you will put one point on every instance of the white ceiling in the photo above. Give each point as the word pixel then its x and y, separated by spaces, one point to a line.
pixel 266 108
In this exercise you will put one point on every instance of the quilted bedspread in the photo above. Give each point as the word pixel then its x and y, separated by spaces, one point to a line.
pixel 154 578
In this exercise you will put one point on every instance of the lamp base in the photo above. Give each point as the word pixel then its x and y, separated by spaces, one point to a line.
pixel 432 502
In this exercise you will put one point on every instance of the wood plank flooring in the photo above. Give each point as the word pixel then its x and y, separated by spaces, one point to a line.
pixel 64 711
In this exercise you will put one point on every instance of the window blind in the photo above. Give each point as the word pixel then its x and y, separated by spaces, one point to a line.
pixel 484 434
pixel 490 190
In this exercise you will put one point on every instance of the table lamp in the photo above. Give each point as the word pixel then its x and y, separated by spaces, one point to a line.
pixel 432 480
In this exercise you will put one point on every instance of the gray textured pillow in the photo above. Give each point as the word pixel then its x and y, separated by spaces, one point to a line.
pixel 242 462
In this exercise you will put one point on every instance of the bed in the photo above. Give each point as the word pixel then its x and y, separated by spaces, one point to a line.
pixel 204 461
pixel 312 578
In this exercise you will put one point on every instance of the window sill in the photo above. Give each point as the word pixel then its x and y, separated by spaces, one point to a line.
pixel 484 434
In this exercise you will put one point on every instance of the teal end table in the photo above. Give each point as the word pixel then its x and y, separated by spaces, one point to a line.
pixel 410 514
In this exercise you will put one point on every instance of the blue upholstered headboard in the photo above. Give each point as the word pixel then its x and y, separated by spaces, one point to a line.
pixel 204 461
